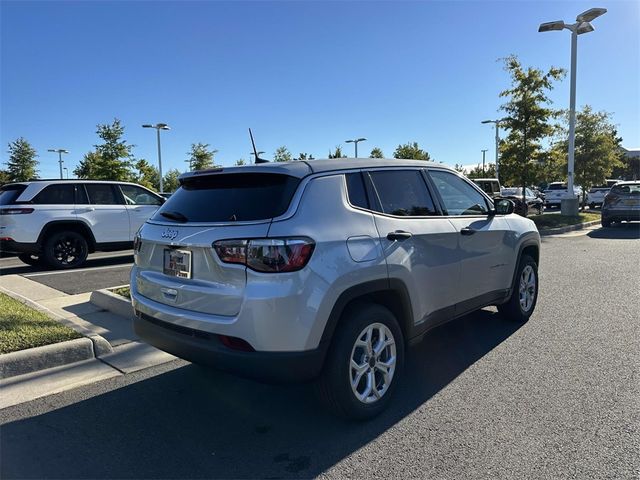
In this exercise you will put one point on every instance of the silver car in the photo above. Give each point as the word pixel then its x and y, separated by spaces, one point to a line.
pixel 326 270
pixel 622 203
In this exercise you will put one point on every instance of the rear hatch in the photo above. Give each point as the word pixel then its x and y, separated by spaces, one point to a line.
pixel 625 196
pixel 177 264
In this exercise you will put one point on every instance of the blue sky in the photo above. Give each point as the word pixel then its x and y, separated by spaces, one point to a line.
pixel 303 74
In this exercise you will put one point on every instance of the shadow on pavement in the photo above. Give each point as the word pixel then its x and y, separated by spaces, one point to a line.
pixel 91 262
pixel 196 423
pixel 622 231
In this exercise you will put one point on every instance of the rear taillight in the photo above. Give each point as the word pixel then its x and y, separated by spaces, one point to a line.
pixel 137 243
pixel 15 211
pixel 271 255
pixel 610 198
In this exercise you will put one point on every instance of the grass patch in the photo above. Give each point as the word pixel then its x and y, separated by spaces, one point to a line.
pixel 122 291
pixel 544 222
pixel 23 327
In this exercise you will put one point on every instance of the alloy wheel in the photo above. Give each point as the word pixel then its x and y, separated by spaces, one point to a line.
pixel 372 363
pixel 527 288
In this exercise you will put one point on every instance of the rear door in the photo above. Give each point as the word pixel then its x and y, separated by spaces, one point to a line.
pixel 140 204
pixel 101 206
pixel 486 249
pixel 419 244
pixel 176 263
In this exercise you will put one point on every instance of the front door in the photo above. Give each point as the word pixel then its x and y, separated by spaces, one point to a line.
pixel 419 244
pixel 141 204
pixel 484 242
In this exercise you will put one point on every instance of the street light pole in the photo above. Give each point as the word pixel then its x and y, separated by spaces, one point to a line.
pixel 66 171
pixel 158 127
pixel 483 153
pixel 569 205
pixel 59 151
pixel 497 123
pixel 355 142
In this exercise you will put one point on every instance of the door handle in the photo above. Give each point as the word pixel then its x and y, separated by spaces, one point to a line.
pixel 467 231
pixel 399 235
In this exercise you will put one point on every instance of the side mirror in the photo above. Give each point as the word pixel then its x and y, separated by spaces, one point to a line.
pixel 504 206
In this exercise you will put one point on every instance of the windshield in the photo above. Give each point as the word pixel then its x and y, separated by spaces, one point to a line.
pixel 229 198
pixel 629 189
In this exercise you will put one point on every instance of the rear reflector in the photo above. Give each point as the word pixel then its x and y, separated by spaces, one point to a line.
pixel 235 343
pixel 15 211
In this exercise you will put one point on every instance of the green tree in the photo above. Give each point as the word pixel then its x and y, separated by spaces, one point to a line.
pixel 4 177
pixel 148 175
pixel 376 153
pixel 200 157
pixel 240 162
pixel 476 172
pixel 282 154
pixel 528 120
pixel 597 147
pixel 411 151
pixel 460 169
pixel 88 166
pixel 337 153
pixel 22 162
pixel 170 182
pixel 115 158
pixel 629 167
pixel 305 156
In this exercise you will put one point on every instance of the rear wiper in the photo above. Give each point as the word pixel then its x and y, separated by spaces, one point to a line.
pixel 177 216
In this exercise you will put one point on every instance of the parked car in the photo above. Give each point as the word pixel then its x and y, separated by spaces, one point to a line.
pixel 533 203
pixel 622 203
pixel 491 186
pixel 59 222
pixel 556 191
pixel 326 269
pixel 595 196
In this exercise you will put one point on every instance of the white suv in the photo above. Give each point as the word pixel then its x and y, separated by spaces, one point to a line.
pixel 59 222
pixel 328 268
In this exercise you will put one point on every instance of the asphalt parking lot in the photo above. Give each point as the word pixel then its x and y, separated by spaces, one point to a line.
pixel 482 397
pixel 102 270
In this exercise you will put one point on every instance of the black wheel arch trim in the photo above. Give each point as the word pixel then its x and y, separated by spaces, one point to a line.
pixel 91 241
pixel 527 242
pixel 365 292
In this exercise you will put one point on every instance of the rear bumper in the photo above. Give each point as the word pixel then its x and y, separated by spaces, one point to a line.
pixel 11 246
pixel 207 349
pixel 615 214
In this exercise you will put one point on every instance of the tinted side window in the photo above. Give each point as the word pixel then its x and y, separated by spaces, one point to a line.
pixel 403 193
pixel 459 197
pixel 138 196
pixel 102 194
pixel 56 195
pixel 9 193
pixel 355 188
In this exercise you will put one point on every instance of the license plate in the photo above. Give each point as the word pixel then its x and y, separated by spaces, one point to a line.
pixel 177 263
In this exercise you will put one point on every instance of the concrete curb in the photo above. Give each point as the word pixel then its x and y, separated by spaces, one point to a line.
pixel 55 354
pixel 112 302
pixel 47 356
pixel 568 228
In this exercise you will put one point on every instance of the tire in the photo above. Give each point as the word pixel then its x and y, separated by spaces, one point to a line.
pixel 592 206
pixel 29 259
pixel 65 249
pixel 526 285
pixel 349 344
pixel 605 222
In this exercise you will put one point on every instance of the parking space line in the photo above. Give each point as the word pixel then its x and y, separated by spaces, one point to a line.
pixel 58 272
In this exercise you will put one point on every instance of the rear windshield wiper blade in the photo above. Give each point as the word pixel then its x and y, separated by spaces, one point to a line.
pixel 177 216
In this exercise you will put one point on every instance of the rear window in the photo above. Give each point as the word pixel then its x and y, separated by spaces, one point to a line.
pixel 9 193
pixel 630 189
pixel 229 198
pixel 557 186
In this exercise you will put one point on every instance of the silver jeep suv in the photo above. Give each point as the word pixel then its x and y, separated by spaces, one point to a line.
pixel 326 268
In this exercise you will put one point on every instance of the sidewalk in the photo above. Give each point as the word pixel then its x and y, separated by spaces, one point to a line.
pixel 117 350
